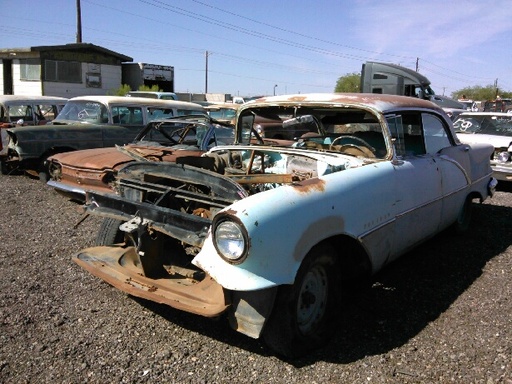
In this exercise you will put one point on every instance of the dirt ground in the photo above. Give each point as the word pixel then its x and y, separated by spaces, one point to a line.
pixel 441 314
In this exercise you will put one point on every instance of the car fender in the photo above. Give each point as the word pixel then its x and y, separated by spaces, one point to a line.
pixel 283 224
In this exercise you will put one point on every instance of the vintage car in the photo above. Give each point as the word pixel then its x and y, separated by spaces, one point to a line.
pixel 72 173
pixel 26 110
pixel 224 112
pixel 86 122
pixel 493 128
pixel 153 95
pixel 273 235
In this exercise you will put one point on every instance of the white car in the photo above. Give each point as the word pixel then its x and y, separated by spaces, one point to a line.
pixel 494 128
pixel 270 232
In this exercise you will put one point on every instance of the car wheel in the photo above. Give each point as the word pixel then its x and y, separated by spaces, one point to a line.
pixel 109 232
pixel 4 168
pixel 464 219
pixel 305 313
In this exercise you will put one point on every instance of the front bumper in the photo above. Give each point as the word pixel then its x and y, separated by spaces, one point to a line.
pixel 122 267
pixel 502 171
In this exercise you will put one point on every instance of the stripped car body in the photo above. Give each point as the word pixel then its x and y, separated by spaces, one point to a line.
pixel 18 110
pixel 269 234
pixel 493 128
pixel 87 122
pixel 72 173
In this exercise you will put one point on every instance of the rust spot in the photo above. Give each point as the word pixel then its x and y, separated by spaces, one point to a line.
pixel 310 185
pixel 231 212
pixel 297 98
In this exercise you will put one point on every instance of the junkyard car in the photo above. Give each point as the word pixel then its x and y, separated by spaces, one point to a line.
pixel 269 235
pixel 86 122
pixel 72 173
pixel 224 112
pixel 26 110
pixel 493 128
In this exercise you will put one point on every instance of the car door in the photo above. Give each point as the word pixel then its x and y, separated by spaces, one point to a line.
pixel 453 162
pixel 128 122
pixel 418 186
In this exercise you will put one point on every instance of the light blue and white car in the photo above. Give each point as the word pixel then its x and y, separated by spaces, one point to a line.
pixel 271 232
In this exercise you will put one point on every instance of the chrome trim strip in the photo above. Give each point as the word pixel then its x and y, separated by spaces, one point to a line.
pixel 65 188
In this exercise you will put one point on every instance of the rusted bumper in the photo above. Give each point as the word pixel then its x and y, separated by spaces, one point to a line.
pixel 121 267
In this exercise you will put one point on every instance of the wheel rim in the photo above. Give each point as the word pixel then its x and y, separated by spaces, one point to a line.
pixel 312 302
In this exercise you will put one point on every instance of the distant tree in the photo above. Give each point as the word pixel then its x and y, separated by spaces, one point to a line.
pixel 480 93
pixel 153 88
pixel 348 83
pixel 125 88
pixel 121 91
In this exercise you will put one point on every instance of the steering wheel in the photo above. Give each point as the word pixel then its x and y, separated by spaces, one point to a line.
pixel 366 149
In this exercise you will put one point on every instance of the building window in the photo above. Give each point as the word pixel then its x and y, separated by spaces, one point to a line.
pixel 30 69
pixel 63 71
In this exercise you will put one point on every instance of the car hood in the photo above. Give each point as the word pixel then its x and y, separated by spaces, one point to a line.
pixel 495 140
pixel 116 157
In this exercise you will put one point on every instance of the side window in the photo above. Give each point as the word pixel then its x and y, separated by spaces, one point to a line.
pixel 127 115
pixel 159 113
pixel 45 112
pixel 407 134
pixel 436 136
pixel 17 112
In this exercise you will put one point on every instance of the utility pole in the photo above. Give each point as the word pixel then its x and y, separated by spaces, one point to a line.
pixel 78 22
pixel 206 74
pixel 417 64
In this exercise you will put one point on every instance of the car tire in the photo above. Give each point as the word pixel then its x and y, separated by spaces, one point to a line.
pixel 109 232
pixel 43 176
pixel 4 168
pixel 305 313
pixel 464 219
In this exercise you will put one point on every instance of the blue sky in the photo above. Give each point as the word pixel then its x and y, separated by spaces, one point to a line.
pixel 300 46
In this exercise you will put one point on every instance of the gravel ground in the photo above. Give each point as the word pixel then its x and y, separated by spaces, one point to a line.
pixel 441 314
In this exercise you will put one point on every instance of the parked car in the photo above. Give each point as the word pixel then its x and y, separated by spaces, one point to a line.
pixel 272 235
pixel 493 128
pixel 86 122
pixel 223 112
pixel 498 105
pixel 26 110
pixel 153 95
pixel 72 173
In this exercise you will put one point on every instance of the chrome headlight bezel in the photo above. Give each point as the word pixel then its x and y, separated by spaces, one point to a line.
pixel 502 157
pixel 230 239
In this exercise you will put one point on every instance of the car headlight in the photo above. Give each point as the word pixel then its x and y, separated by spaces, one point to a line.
pixel 502 157
pixel 55 170
pixel 231 241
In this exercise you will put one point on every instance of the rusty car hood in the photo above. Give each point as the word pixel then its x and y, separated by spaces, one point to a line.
pixel 114 158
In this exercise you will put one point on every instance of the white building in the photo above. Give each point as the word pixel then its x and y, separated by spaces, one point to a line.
pixel 61 70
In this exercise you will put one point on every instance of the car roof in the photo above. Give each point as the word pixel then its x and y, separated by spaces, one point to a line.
pixel 6 99
pixel 380 102
pixel 108 100
pixel 233 106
